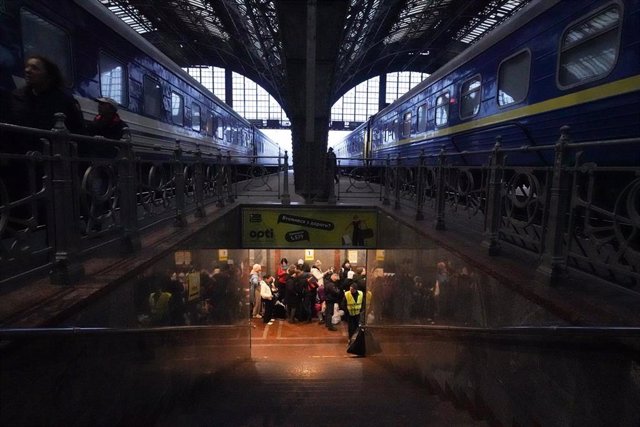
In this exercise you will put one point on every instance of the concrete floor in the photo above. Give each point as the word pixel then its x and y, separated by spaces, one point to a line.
pixel 301 375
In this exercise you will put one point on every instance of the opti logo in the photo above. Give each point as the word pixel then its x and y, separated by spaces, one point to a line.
pixel 261 234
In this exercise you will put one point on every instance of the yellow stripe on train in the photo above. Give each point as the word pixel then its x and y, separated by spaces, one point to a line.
pixel 620 87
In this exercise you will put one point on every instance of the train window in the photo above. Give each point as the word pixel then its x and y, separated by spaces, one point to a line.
pixel 377 137
pixel 235 135
pixel 210 124
pixel 177 109
pixel 113 78
pixel 195 117
pixel 422 118
pixel 152 92
pixel 442 109
pixel 589 49
pixel 513 78
pixel 219 129
pixel 406 124
pixel 470 97
pixel 39 36
pixel 394 129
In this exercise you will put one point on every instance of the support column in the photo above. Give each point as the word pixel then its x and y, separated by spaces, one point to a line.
pixel 382 92
pixel 310 91
pixel 286 197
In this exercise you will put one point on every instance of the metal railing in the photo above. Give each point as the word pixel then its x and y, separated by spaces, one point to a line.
pixel 568 212
pixel 63 196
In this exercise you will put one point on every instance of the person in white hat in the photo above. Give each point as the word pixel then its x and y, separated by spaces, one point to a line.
pixel 303 266
pixel 107 123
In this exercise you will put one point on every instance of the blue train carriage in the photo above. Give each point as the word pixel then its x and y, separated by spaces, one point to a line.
pixel 101 56
pixel 351 150
pixel 266 151
pixel 554 63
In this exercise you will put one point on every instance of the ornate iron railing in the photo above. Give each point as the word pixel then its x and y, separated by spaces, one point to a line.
pixel 69 195
pixel 58 204
pixel 568 213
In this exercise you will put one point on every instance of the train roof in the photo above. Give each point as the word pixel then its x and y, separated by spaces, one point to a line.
pixel 522 17
pixel 108 18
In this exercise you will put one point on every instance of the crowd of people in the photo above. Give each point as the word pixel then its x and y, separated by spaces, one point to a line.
pixel 191 297
pixel 443 294
pixel 303 293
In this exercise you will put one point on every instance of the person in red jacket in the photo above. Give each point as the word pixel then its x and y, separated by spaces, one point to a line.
pixel 107 123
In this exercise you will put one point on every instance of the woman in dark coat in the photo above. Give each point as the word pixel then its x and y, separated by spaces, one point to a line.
pixel 293 294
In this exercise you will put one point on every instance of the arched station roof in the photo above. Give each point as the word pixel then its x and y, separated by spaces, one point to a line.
pixel 308 53
pixel 370 37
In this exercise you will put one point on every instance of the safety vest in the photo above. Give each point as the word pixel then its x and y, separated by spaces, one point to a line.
pixel 353 305
pixel 159 305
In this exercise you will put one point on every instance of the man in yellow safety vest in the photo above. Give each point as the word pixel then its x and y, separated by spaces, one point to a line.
pixel 354 299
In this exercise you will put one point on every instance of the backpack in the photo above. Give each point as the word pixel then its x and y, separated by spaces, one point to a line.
pixel 312 284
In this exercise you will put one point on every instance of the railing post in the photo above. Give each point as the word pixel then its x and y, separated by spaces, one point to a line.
pixel 387 181
pixel 553 262
pixel 396 193
pixel 198 183
pixel 219 180
pixel 440 193
pixel 230 197
pixel 420 188
pixel 180 220
pixel 286 197
pixel 66 269
pixel 494 199
pixel 128 196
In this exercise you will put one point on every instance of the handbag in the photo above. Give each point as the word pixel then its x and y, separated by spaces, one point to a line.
pixel 362 343
pixel 346 240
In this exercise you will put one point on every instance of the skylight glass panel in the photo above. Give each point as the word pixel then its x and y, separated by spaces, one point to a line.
pixel 130 16
pixel 492 15
pixel 417 17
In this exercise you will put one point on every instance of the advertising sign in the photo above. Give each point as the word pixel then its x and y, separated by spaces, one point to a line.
pixel 304 228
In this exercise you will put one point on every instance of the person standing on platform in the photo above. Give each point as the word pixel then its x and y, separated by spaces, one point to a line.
pixel 282 271
pixel 159 304
pixel 332 296
pixel 293 295
pixel 43 95
pixel 267 298
pixel 107 123
pixel 344 271
pixel 303 266
pixel 354 299
pixel 34 105
pixel 332 164
pixel 441 292
pixel 254 291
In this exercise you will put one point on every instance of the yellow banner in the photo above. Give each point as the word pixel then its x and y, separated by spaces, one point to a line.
pixel 306 228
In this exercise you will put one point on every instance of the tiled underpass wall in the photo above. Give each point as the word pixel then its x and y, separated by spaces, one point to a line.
pixel 110 377
pixel 519 379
